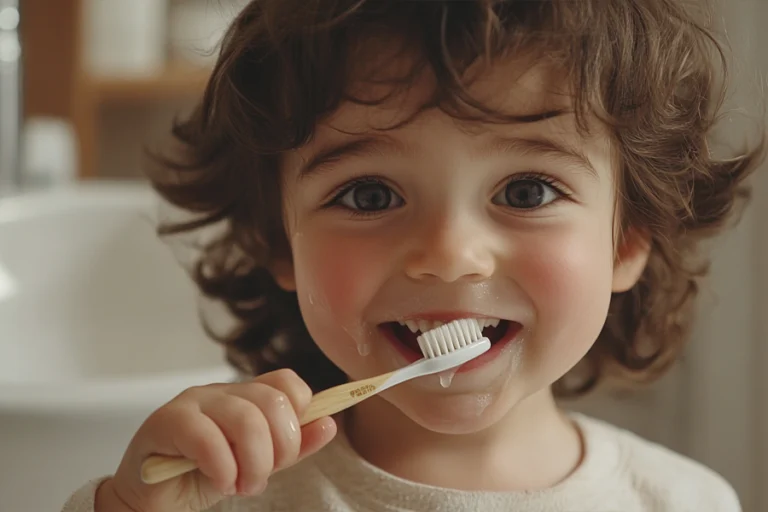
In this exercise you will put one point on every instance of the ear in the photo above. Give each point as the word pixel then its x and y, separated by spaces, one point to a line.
pixel 282 272
pixel 630 260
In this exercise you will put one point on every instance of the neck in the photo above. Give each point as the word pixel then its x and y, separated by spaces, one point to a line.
pixel 534 446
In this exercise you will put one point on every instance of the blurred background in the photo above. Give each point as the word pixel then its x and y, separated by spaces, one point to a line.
pixel 99 324
pixel 116 71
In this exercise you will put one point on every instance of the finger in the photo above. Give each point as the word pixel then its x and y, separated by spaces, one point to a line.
pixel 281 417
pixel 316 435
pixel 248 432
pixel 287 381
pixel 198 437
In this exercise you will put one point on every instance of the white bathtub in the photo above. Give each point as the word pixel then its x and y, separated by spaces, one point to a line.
pixel 98 327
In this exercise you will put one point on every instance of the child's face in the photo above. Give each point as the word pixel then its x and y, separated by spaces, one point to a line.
pixel 438 220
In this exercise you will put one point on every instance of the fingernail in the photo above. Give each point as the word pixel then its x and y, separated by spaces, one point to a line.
pixel 255 489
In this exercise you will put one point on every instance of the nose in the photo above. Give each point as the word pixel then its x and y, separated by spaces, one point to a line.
pixel 451 249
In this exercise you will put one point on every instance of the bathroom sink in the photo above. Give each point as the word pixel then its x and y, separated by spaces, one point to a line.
pixel 95 312
pixel 99 326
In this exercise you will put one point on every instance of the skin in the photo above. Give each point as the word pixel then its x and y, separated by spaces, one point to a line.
pixel 444 242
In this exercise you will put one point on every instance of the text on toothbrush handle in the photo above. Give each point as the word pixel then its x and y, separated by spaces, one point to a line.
pixel 362 390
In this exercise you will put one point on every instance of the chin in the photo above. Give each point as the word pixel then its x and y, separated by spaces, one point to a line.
pixel 465 413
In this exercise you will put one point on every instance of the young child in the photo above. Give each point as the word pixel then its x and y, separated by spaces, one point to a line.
pixel 384 166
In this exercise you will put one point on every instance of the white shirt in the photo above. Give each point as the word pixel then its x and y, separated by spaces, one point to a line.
pixel 620 472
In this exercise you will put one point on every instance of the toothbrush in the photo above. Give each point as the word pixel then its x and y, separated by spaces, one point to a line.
pixel 444 347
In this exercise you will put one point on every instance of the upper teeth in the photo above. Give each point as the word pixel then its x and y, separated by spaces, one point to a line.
pixel 425 325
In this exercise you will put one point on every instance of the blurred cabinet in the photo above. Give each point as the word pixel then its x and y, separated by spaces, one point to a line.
pixel 57 83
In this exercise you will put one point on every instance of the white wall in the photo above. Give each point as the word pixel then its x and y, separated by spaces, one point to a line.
pixel 761 341
pixel 727 383
pixel 761 290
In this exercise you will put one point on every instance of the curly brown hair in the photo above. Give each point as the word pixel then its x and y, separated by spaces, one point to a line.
pixel 650 70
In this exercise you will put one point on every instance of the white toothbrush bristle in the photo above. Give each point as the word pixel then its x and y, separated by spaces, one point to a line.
pixel 449 337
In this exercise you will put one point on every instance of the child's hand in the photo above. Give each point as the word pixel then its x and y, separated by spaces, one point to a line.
pixel 238 434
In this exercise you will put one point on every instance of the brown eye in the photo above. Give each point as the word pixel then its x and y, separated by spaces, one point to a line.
pixel 526 194
pixel 370 197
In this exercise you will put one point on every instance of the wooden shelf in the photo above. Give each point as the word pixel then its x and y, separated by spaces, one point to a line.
pixel 177 81
pixel 53 46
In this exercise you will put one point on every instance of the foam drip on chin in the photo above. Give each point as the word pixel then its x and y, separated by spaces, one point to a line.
pixel 359 335
pixel 446 377
pixel 483 401
pixel 363 348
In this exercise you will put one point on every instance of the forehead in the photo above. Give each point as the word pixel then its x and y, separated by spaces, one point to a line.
pixel 389 97
pixel 388 91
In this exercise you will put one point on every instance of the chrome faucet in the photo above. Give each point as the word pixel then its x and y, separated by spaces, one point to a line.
pixel 10 97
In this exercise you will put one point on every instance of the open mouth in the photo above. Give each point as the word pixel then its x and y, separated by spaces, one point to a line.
pixel 406 332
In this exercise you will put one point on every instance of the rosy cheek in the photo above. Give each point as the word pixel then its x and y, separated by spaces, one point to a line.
pixel 567 277
pixel 336 274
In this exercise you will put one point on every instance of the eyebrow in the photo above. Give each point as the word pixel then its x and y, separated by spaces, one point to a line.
pixel 541 147
pixel 377 145
pixel 362 147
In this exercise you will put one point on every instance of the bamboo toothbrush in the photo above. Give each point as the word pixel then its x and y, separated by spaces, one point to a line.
pixel 444 347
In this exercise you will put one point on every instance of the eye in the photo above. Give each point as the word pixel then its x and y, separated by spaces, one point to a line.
pixel 368 196
pixel 528 193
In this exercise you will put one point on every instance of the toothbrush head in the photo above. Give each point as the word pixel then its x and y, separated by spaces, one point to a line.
pixel 451 337
pixel 445 347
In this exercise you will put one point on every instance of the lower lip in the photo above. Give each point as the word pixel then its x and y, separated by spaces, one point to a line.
pixel 473 364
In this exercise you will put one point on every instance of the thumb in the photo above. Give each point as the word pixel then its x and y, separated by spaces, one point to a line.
pixel 316 435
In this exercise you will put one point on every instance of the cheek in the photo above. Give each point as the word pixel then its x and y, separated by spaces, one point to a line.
pixel 336 276
pixel 567 277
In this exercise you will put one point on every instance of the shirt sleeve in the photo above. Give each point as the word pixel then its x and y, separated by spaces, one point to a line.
pixel 83 500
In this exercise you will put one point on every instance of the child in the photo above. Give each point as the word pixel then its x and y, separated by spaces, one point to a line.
pixel 383 166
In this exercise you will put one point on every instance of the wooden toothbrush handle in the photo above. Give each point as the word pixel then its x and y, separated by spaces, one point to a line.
pixel 338 398
pixel 159 468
